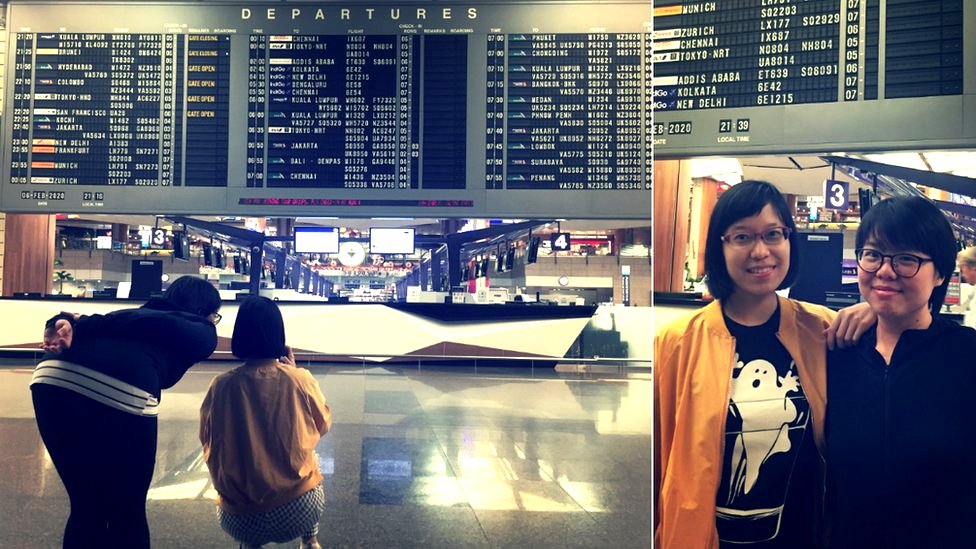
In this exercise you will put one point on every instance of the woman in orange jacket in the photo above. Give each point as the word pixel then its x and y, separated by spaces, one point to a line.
pixel 740 391
pixel 259 425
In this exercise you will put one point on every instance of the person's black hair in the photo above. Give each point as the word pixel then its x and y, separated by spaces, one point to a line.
pixel 905 223
pixel 259 331
pixel 193 294
pixel 741 201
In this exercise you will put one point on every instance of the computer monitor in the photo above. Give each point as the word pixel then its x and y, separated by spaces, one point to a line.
pixel 316 240
pixel 533 252
pixel 181 245
pixel 865 200
pixel 821 255
pixel 208 255
pixel 387 240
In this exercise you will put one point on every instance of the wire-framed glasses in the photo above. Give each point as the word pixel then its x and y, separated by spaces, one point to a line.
pixel 771 237
pixel 904 265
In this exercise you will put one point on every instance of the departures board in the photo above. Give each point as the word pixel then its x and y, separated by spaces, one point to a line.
pixel 791 76
pixel 454 110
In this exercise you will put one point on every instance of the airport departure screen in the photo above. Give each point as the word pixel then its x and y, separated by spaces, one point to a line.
pixel 786 76
pixel 498 110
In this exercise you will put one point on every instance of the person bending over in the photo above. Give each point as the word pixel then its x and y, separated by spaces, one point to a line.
pixel 96 395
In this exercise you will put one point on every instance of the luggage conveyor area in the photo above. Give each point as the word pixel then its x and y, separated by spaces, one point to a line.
pixel 419 455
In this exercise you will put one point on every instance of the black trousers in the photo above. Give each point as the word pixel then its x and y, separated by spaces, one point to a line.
pixel 105 458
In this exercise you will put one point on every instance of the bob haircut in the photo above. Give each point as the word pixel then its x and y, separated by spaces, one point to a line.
pixel 912 223
pixel 259 331
pixel 193 294
pixel 741 201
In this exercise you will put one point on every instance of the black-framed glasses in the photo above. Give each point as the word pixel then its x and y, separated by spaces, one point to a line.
pixel 904 265
pixel 771 237
pixel 217 318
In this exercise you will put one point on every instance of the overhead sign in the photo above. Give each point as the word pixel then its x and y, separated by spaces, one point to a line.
pixel 559 242
pixel 489 110
pixel 836 194
pixel 777 76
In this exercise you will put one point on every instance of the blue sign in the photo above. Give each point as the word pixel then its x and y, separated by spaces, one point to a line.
pixel 836 194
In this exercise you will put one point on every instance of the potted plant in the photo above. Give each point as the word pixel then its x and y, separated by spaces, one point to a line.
pixel 61 276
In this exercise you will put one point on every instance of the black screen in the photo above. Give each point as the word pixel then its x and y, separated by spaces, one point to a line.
pixel 533 252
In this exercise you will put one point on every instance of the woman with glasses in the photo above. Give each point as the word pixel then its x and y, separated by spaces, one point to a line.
pixel 739 390
pixel 901 420
pixel 96 395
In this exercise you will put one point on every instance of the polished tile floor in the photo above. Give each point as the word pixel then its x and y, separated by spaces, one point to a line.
pixel 416 458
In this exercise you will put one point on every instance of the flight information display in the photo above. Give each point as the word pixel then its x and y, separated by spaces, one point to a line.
pixel 326 111
pixel 575 111
pixel 782 76
pixel 500 110
pixel 108 109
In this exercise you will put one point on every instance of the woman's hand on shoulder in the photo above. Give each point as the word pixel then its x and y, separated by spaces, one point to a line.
pixel 849 325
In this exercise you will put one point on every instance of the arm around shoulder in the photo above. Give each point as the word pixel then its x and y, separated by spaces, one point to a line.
pixel 848 325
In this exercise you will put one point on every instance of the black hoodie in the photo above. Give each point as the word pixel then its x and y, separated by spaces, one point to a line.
pixel 901 440
pixel 150 347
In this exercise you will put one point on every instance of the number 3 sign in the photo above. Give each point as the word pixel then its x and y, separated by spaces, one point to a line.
pixel 836 194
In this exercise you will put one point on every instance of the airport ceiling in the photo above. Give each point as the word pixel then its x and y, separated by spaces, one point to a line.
pixel 804 174
pixel 423 225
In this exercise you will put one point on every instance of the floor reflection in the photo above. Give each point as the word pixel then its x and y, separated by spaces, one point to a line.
pixel 498 450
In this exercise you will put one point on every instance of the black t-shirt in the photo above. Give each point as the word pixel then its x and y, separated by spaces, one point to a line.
pixel 767 492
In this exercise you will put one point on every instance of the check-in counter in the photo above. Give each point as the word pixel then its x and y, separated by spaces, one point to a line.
pixel 347 331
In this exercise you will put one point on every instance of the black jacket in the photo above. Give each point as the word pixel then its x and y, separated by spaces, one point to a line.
pixel 150 347
pixel 901 441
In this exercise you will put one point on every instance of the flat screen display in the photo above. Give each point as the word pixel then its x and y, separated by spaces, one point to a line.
pixel 316 240
pixel 385 240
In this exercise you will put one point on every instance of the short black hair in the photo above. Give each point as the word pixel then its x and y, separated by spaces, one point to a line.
pixel 193 294
pixel 913 223
pixel 259 331
pixel 741 201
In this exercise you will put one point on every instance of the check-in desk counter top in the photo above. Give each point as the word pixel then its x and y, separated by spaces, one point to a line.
pixel 348 331
pixel 669 306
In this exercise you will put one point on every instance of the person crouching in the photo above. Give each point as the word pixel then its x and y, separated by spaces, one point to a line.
pixel 259 425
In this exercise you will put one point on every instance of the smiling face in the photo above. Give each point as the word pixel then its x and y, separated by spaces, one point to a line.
pixel 758 269
pixel 895 298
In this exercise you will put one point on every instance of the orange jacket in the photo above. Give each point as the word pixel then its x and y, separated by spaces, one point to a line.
pixel 259 426
pixel 693 360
